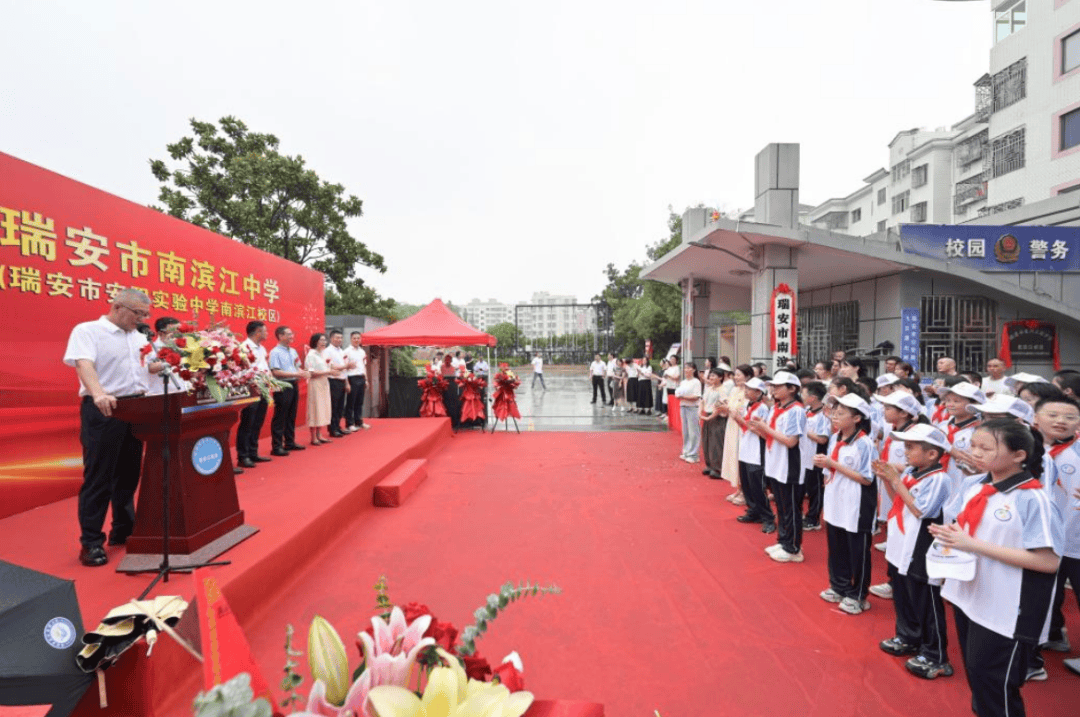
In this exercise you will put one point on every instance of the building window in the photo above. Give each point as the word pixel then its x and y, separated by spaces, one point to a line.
pixel 919 175
pixel 881 225
pixel 918 212
pixel 1070 130
pixel 824 329
pixel 1007 153
pixel 900 202
pixel 1070 52
pixel 881 196
pixel 961 327
pixel 856 215
pixel 1009 20
pixel 1009 85
pixel 901 170
pixel 971 150
pixel 969 191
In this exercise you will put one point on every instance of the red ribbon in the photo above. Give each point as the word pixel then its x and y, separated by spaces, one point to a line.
pixel 835 455
pixel 1057 448
pixel 897 509
pixel 972 514
pixel 776 413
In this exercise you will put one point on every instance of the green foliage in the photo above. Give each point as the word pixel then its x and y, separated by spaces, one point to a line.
pixel 401 362
pixel 292 679
pixel 231 699
pixel 490 610
pixel 640 309
pixel 505 333
pixel 382 598
pixel 357 298
pixel 236 182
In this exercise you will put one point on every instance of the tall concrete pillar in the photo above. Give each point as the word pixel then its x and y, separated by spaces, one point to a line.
pixel 776 201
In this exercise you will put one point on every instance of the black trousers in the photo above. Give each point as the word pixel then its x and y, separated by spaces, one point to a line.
pixel 337 403
pixel 995 666
pixel 814 489
pixel 1069 569
pixel 849 562
pixel 920 615
pixel 283 424
pixel 788 513
pixel 112 460
pixel 354 404
pixel 752 480
pixel 598 383
pixel 252 419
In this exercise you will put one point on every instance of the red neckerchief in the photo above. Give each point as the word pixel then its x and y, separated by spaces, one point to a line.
pixel 888 441
pixel 1058 447
pixel 840 443
pixel 750 410
pixel 950 432
pixel 897 509
pixel 972 514
pixel 939 412
pixel 776 413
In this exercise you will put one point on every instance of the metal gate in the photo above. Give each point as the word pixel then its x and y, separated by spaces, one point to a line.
pixel 824 329
pixel 564 333
pixel 961 327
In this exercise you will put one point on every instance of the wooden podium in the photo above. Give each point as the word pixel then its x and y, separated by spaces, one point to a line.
pixel 205 518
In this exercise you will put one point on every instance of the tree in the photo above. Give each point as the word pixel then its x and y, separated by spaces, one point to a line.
pixel 236 182
pixel 505 334
pixel 642 309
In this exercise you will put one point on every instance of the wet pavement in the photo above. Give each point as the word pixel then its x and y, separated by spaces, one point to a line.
pixel 566 405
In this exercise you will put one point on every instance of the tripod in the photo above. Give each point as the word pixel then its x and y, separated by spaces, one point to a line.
pixel 164 569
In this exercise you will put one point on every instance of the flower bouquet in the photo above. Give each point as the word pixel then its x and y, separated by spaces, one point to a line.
pixel 472 404
pixel 505 403
pixel 412 665
pixel 431 402
pixel 213 360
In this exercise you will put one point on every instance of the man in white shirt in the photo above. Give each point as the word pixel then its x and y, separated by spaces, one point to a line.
pixel 457 362
pixel 108 358
pixel 481 368
pixel 597 370
pixel 253 415
pixel 538 371
pixel 339 387
pixel 995 382
pixel 356 374
pixel 609 373
pixel 176 384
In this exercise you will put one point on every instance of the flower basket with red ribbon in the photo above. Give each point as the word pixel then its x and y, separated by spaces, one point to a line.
pixel 431 400
pixel 505 404
pixel 472 404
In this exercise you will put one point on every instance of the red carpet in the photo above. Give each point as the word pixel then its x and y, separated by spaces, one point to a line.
pixel 668 603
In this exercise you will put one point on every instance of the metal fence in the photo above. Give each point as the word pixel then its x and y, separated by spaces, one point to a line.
pixel 564 333
pixel 824 329
pixel 961 327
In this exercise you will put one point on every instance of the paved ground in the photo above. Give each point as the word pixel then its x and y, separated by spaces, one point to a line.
pixel 565 404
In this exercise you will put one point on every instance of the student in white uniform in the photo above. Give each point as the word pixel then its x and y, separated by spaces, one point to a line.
pixel 815 441
pixel 1058 420
pixel 959 428
pixel 783 463
pixel 850 503
pixel 752 459
pixel 917 495
pixel 1002 597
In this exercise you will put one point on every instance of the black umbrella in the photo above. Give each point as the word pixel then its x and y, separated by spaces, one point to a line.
pixel 40 627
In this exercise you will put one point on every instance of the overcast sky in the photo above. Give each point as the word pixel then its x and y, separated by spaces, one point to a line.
pixel 553 134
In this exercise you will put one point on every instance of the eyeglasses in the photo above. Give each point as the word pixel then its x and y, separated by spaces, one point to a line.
pixel 139 314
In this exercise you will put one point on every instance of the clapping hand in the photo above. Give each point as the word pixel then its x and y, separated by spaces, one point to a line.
pixel 885 471
pixel 952 536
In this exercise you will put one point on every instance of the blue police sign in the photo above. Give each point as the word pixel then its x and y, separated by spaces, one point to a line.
pixel 995 248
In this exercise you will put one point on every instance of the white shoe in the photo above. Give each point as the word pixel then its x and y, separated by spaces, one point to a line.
pixel 352 429
pixel 880 546
pixel 883 591
pixel 690 459
pixel 830 595
pixel 851 606
pixel 783 556
pixel 774 548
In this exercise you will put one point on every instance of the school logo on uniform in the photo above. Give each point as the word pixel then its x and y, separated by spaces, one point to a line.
pixel 849 461
pixel 1068 469
pixel 1003 514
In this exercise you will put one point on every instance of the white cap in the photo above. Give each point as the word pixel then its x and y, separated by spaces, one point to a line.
pixel 756 383
pixel 966 389
pixel 1006 405
pixel 851 400
pixel 887 379
pixel 904 401
pixel 723 367
pixel 1022 378
pixel 782 377
pixel 944 562
pixel 923 433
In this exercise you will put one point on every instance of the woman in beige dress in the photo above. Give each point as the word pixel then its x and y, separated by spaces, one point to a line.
pixel 318 393
pixel 736 403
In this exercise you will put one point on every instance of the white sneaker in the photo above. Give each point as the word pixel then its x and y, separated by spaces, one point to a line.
pixel 773 548
pixel 880 546
pixel 883 591
pixel 352 429
pixel 690 459
pixel 851 606
pixel 783 556
pixel 830 595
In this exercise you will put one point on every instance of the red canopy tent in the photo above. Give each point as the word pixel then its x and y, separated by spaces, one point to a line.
pixel 433 325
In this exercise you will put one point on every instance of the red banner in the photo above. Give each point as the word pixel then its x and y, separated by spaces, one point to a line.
pixel 65 249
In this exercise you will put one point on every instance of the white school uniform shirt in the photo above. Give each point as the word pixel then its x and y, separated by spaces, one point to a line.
pixel 817 423
pixel 357 354
pixel 847 504
pixel 750 442
pixel 597 368
pixel 1011 601
pixel 1063 495
pixel 116 355
pixel 878 425
pixel 960 438
pixel 906 551
pixel 791 422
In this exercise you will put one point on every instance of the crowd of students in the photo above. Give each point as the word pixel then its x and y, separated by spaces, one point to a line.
pixel 974 481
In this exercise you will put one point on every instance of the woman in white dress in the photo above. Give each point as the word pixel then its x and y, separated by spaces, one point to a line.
pixel 318 393
pixel 736 403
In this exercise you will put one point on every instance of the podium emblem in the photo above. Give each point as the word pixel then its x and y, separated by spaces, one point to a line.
pixel 207 455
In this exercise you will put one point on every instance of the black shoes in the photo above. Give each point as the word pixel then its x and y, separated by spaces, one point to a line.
pixel 337 434
pixel 93 557
pixel 237 471
pixel 117 539
pixel 294 447
pixel 769 527
pixel 246 463
pixel 748 518
pixel 259 459
pixel 279 452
